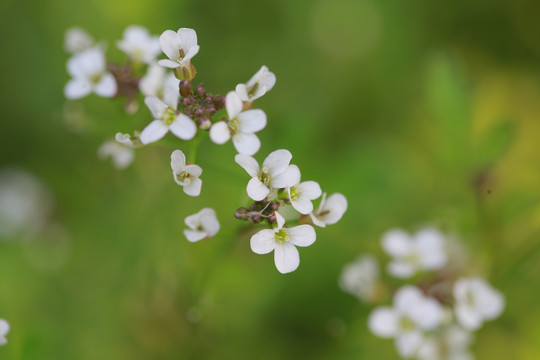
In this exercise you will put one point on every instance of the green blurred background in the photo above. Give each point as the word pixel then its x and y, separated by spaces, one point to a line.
pixel 420 112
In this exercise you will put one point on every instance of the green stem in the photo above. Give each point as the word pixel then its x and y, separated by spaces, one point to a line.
pixel 195 146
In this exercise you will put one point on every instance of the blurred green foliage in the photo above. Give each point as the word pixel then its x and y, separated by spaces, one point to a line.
pixel 419 112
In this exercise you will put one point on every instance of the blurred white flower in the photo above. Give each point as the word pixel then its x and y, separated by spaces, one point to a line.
pixel 180 47
pixel 121 155
pixel 139 45
pixel 412 315
pixel 161 84
pixel 242 126
pixel 4 330
pixel 476 302
pixel 89 74
pixel 302 193
pixel 262 82
pixel 186 176
pixel 451 343
pixel 330 210
pixel 203 224
pixel 25 203
pixel 124 139
pixel 76 40
pixel 283 242
pixel 423 251
pixel 276 173
pixel 361 278
pixel 166 119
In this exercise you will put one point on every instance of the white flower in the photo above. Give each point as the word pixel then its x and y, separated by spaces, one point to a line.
pixel 139 45
pixel 4 330
pixel 276 173
pixel 160 83
pixel 186 176
pixel 476 302
pixel 411 315
pixel 166 119
pixel 122 156
pixel 423 251
pixel 283 242
pixel 301 195
pixel 89 72
pixel 361 278
pixel 203 224
pixel 330 210
pixel 450 344
pixel 77 40
pixel 180 47
pixel 262 82
pixel 124 139
pixel 242 126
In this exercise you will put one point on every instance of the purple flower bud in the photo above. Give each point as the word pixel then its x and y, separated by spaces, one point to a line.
pixel 199 112
pixel 274 206
pixel 205 124
pixel 219 102
pixel 256 218
pixel 185 87
pixel 200 92
pixel 187 101
pixel 211 111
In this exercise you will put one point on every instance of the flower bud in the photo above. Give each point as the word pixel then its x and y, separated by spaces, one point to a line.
pixel 205 124
pixel 200 92
pixel 199 112
pixel 185 88
pixel 219 102
pixel 211 111
pixel 185 72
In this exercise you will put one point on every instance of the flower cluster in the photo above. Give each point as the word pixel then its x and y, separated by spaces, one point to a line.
pixel 188 111
pixel 433 317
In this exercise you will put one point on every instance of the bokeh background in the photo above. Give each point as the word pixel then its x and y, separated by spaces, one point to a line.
pixel 420 112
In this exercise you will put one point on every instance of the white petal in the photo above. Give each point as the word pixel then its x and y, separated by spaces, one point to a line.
pixel 302 235
pixel 427 314
pixel 194 170
pixel 317 221
pixel 280 220
pixel 309 189
pixel 183 127
pixel 170 43
pixel 233 104
pixel 192 221
pixel 336 205
pixel 249 164
pixel 277 162
pixel 256 189
pixel 302 205
pixel 77 88
pixel 4 327
pixel 247 144
pixel 188 38
pixel 156 106
pixel 401 269
pixel 407 344
pixel 383 322
pixel 153 132
pixel 396 242
pixel 194 50
pixel 194 235
pixel 209 221
pixel 168 64
pixel 286 257
pixel 219 133
pixel 124 139
pixel 241 90
pixel 468 317
pixel 106 87
pixel 286 178
pixel 178 161
pixel 406 297
pixel 252 121
pixel 263 242
pixel 194 188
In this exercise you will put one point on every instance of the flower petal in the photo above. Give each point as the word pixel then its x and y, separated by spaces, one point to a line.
pixel 168 64
pixel 188 38
pixel 241 90
pixel 401 269
pixel 310 190
pixel 183 127
pixel 194 170
pixel 194 188
pixel 219 133
pixel 233 104
pixel 252 120
pixel 153 132
pixel 248 163
pixel 170 43
pixel 336 205
pixel 256 189
pixel 383 322
pixel 396 243
pixel 263 242
pixel 277 162
pixel 286 178
pixel 302 205
pixel 247 144
pixel 406 297
pixel 194 235
pixel 280 220
pixel 77 88
pixel 209 221
pixel 407 344
pixel 107 86
pixel 302 235
pixel 156 106
pixel 286 257
pixel 178 161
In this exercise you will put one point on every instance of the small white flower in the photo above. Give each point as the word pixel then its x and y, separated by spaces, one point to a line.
pixel 203 224
pixel 77 40
pixel 89 74
pixel 186 176
pixel 283 242
pixel 166 119
pixel 161 84
pixel 122 156
pixel 330 210
pixel 423 251
pixel 180 47
pixel 139 45
pixel 4 330
pixel 301 195
pixel 242 126
pixel 476 302
pixel 361 278
pixel 450 344
pixel 262 82
pixel 276 173
pixel 406 322
pixel 124 139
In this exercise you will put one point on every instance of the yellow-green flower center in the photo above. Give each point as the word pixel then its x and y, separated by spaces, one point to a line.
pixel 168 116
pixel 282 236
pixel 234 126
pixel 294 193
pixel 406 324
pixel 265 176
pixel 185 177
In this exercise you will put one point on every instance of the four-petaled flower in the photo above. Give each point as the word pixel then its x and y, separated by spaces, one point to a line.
pixel 139 45
pixel 241 126
pixel 186 175
pixel 406 321
pixel 302 193
pixel 160 83
pixel 202 225
pixel 89 72
pixel 262 82
pixel 4 330
pixel 283 242
pixel 424 251
pixel 330 210
pixel 166 118
pixel 180 47
pixel 276 173
pixel 476 302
